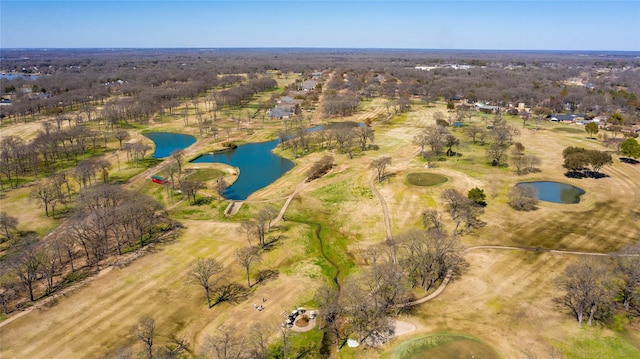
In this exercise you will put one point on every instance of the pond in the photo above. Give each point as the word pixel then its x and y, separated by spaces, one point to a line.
pixel 258 166
pixel 167 142
pixel 556 192
pixel 13 76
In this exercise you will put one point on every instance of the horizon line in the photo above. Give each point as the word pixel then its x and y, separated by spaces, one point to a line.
pixel 312 48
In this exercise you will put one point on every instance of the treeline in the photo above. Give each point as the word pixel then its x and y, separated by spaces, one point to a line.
pixel 347 137
pixel 159 78
pixel 107 221
pixel 58 146
pixel 237 95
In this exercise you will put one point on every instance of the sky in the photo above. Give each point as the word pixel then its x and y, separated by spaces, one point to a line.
pixel 418 24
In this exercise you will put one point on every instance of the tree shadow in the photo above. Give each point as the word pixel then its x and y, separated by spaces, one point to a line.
pixel 273 242
pixel 596 175
pixel 628 160
pixel 585 174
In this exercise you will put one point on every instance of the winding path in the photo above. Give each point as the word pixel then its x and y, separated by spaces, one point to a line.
pixel 385 209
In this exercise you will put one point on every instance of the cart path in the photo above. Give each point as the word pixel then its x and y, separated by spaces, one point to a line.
pixel 385 209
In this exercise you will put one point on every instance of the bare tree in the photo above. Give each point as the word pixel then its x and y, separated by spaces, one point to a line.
pixel 122 135
pixel 380 164
pixel 178 157
pixel 246 256
pixel 226 343
pixel 497 154
pixel 221 186
pixel 523 197
pixel 7 293
pixel 145 332
pixel 628 279
pixel 190 189
pixel 259 341
pixel 47 195
pixel 476 133
pixel 8 223
pixel 201 271
pixel 27 263
pixel 49 267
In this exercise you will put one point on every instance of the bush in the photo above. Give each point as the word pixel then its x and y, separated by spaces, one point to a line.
pixel 477 196
pixel 523 197
pixel 320 168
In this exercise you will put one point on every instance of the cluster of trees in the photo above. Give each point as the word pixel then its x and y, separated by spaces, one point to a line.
pixel 436 138
pixel 417 258
pixel 522 162
pixel 502 135
pixel 576 160
pixel 154 81
pixel 339 104
pixel 237 95
pixel 367 303
pixel 347 137
pixel 107 221
pixel 593 286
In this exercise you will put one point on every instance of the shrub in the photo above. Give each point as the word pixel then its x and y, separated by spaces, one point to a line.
pixel 477 196
pixel 320 168
pixel 523 197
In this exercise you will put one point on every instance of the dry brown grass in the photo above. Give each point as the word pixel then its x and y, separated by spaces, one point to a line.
pixel 504 298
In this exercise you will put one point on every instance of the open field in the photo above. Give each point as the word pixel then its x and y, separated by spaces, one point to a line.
pixel 504 298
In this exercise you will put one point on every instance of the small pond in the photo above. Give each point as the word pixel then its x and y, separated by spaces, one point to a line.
pixel 167 142
pixel 259 167
pixel 556 192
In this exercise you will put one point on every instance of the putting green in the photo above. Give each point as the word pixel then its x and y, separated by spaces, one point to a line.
pixel 425 179
pixel 445 346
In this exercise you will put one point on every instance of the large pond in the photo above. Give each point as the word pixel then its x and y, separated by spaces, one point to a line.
pixel 167 142
pixel 258 166
pixel 556 192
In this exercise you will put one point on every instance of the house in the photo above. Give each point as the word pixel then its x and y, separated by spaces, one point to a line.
pixel 561 118
pixel 309 85
pixel 487 108
pixel 5 102
pixel 278 113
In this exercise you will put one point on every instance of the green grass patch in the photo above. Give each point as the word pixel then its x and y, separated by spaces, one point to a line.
pixel 205 174
pixel 594 344
pixel 443 346
pixel 334 193
pixel 570 130
pixel 425 179
pixel 329 252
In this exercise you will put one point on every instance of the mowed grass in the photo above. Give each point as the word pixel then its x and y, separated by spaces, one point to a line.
pixel 99 317
pixel 443 346
pixel 425 179
pixel 503 298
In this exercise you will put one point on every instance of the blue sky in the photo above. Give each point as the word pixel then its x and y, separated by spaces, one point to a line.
pixel 514 25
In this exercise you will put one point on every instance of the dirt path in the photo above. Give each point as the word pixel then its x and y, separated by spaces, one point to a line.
pixel 385 209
